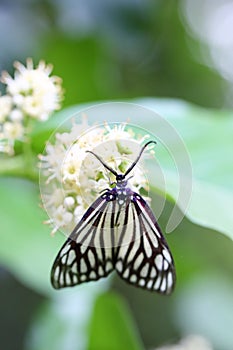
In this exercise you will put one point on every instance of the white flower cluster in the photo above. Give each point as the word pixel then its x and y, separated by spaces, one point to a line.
pixel 31 94
pixel 72 178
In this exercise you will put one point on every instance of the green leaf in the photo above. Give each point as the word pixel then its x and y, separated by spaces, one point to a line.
pixel 112 327
pixel 207 136
pixel 27 247
pixel 61 323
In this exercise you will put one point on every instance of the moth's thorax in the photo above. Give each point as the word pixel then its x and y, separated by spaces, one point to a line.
pixel 120 192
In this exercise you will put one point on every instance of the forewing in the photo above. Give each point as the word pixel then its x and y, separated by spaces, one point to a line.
pixel 85 256
pixel 146 261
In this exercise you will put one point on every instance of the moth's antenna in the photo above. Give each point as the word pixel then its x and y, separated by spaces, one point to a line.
pixel 132 165
pixel 138 157
pixel 103 163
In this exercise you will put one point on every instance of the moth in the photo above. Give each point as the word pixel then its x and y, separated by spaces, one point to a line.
pixel 117 232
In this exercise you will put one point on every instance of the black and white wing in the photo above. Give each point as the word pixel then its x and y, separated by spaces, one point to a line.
pixel 85 256
pixel 146 260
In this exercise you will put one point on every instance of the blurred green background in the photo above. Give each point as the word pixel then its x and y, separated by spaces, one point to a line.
pixel 124 50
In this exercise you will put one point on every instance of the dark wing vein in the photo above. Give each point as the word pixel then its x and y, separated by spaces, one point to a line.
pixel 85 256
pixel 146 260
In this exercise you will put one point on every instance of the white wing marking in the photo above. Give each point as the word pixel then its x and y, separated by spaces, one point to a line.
pixel 146 261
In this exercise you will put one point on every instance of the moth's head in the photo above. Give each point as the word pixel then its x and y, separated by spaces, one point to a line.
pixel 120 177
pixel 121 181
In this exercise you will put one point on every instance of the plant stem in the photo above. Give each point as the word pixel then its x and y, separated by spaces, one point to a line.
pixel 19 166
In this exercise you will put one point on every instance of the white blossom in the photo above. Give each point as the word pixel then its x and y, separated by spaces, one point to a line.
pixel 16 115
pixel 61 218
pixel 66 164
pixel 5 107
pixel 12 131
pixel 30 94
pixel 33 90
pixel 69 202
